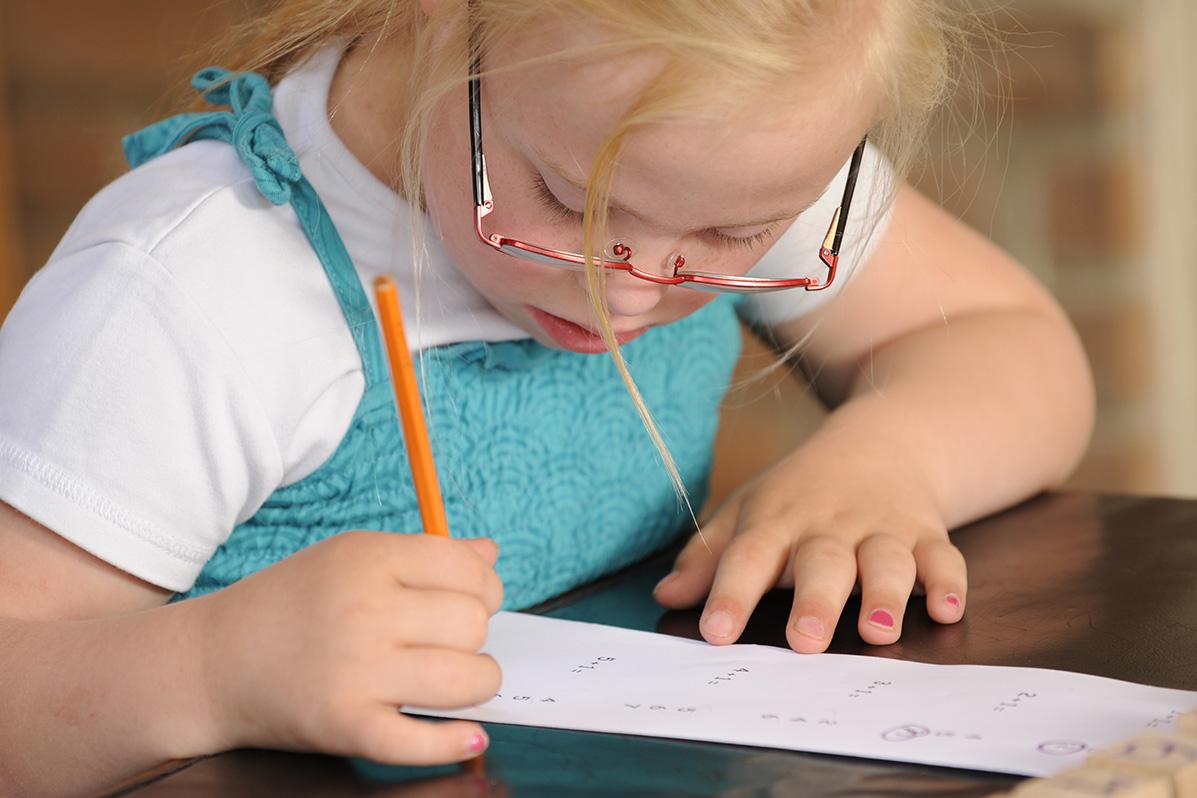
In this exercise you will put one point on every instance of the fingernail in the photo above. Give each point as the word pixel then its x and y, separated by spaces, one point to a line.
pixel 810 626
pixel 952 599
pixel 882 619
pixel 718 624
pixel 478 743
pixel 669 577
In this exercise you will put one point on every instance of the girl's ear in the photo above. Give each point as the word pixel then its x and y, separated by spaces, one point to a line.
pixel 429 6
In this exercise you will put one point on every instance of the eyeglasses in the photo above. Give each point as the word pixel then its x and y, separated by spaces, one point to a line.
pixel 618 255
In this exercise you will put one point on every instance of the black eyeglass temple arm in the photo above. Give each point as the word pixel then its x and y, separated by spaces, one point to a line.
pixel 849 190
pixel 475 90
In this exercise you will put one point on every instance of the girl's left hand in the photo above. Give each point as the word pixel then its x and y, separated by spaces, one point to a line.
pixel 821 521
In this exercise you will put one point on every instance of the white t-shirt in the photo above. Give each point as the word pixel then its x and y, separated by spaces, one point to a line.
pixel 182 355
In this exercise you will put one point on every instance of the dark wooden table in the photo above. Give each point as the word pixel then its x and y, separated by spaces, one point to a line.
pixel 1096 584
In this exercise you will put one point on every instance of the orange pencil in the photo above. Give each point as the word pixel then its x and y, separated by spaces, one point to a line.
pixel 411 411
pixel 415 433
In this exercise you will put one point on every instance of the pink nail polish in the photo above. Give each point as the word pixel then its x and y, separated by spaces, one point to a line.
pixel 882 618
pixel 952 599
pixel 478 743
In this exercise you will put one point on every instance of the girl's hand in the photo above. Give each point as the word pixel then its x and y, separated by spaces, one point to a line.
pixel 820 522
pixel 318 651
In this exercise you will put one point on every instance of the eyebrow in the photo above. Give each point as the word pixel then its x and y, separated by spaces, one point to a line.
pixel 560 172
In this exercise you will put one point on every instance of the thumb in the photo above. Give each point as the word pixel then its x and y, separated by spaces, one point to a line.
pixel 486 548
pixel 391 738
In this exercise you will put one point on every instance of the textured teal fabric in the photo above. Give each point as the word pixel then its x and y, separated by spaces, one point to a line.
pixel 538 448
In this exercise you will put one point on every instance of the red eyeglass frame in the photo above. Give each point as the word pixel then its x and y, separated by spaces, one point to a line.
pixel 703 281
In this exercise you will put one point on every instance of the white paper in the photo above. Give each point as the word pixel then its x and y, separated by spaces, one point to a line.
pixel 1027 721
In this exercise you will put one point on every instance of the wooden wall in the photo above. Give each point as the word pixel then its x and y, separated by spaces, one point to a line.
pixel 1063 189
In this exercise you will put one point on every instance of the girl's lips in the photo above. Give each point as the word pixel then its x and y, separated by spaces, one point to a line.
pixel 574 337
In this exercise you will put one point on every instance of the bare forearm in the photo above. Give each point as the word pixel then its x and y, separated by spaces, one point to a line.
pixel 88 704
pixel 992 407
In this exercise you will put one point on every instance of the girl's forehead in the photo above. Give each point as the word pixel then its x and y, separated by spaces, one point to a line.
pixel 787 139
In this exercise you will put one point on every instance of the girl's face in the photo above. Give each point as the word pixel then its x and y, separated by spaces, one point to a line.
pixel 719 190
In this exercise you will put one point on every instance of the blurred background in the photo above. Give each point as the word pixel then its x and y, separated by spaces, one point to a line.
pixel 1084 170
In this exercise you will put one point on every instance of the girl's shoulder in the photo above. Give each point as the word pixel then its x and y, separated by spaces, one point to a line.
pixel 190 231
pixel 198 192
pixel 184 329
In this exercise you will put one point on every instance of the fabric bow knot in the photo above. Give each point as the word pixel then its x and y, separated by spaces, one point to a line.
pixel 250 127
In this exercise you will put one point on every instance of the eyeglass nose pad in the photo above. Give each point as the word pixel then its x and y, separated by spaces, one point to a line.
pixel 617 250
pixel 675 263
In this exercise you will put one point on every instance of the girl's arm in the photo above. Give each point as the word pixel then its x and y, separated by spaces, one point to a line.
pixel 953 350
pixel 957 387
pixel 99 681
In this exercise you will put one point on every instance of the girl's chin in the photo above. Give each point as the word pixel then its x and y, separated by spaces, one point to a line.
pixel 573 337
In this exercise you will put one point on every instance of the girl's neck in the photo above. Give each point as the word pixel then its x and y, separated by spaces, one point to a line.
pixel 368 104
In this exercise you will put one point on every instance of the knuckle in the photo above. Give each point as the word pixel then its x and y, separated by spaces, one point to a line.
pixel 495 598
pixel 885 541
pixel 826 551
pixel 474 623
pixel 699 548
pixel 487 578
pixel 475 678
pixel 693 561
pixel 937 547
pixel 818 604
pixel 353 551
pixel 467 562
pixel 753 548
pixel 381 741
pixel 890 586
pixel 490 675
pixel 939 560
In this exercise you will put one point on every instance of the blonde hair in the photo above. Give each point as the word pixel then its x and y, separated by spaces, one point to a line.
pixel 731 49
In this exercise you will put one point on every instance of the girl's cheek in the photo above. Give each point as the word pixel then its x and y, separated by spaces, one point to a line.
pixel 503 278
pixel 688 302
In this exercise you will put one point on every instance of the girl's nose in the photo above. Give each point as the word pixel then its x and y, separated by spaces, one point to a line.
pixel 631 296
pixel 628 295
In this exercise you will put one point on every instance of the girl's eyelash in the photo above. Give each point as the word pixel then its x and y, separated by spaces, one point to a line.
pixel 747 242
pixel 562 213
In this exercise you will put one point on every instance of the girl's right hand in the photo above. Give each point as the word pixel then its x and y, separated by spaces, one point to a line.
pixel 319 651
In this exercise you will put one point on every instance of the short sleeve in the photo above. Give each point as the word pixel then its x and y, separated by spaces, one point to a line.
pixel 127 425
pixel 796 252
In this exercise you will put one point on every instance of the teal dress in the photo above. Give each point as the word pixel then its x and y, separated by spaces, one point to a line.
pixel 538 448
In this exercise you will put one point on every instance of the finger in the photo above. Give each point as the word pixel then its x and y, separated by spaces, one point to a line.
pixel 440 619
pixel 824 569
pixel 486 548
pixel 887 572
pixel 445 564
pixel 437 678
pixel 389 737
pixel 750 565
pixel 690 580
pixel 944 576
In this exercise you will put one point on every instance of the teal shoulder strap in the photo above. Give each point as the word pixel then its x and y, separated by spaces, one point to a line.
pixel 251 127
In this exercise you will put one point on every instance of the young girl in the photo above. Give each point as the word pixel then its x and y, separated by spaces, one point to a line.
pixel 194 404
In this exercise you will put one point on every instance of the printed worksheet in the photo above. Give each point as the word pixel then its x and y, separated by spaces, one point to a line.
pixel 1027 721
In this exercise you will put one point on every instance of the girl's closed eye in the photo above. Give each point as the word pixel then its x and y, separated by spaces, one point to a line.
pixel 548 200
pixel 563 213
pixel 744 242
